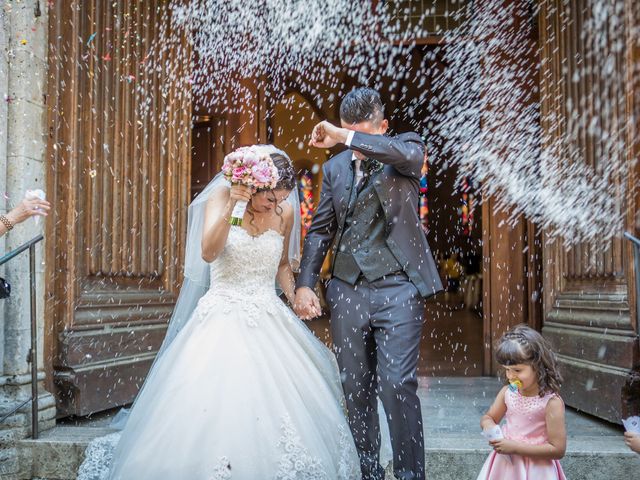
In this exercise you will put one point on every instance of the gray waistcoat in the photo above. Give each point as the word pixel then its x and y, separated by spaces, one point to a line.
pixel 362 246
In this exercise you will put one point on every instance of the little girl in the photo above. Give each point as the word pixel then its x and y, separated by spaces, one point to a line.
pixel 534 438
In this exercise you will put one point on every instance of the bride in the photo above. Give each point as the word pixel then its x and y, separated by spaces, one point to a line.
pixel 241 388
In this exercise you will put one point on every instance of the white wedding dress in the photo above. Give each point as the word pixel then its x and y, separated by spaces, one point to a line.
pixel 245 391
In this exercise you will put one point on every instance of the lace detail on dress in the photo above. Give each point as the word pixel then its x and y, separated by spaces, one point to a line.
pixel 222 470
pixel 253 305
pixel 247 264
pixel 244 274
pixel 296 463
pixel 98 457
pixel 346 468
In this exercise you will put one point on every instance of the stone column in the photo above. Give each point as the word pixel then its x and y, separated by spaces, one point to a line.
pixel 23 76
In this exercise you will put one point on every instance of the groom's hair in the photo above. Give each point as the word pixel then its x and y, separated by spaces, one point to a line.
pixel 362 105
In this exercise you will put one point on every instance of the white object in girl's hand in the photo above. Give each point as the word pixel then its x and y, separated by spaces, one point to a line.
pixel 493 433
pixel 32 195
pixel 632 424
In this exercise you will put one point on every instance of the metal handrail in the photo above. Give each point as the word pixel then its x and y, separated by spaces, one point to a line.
pixel 633 239
pixel 33 353
pixel 636 264
pixel 17 251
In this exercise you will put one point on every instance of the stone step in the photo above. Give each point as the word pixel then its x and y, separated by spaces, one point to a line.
pixel 454 448
pixel 60 451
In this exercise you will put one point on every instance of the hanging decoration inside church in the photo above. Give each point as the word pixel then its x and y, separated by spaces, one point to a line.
pixel 468 206
pixel 424 205
pixel 305 187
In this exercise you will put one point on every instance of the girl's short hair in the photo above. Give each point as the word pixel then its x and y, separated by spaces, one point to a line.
pixel 524 345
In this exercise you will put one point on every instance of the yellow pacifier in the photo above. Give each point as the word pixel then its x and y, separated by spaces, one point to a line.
pixel 515 385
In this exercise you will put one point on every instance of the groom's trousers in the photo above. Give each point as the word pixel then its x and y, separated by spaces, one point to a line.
pixel 376 328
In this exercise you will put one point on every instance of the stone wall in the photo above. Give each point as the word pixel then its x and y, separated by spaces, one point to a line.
pixel 23 137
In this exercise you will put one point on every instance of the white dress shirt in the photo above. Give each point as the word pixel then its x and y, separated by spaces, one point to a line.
pixel 356 168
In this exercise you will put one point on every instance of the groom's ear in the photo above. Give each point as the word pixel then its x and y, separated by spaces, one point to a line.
pixel 384 126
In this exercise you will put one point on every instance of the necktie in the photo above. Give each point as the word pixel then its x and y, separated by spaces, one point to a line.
pixel 365 175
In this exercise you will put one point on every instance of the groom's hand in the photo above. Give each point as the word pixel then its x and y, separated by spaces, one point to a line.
pixel 306 304
pixel 326 135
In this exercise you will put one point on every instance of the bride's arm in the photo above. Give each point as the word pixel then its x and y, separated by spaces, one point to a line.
pixel 216 219
pixel 285 274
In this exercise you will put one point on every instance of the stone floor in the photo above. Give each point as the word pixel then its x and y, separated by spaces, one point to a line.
pixel 451 406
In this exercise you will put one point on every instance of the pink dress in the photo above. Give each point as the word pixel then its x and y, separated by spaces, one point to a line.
pixel 525 423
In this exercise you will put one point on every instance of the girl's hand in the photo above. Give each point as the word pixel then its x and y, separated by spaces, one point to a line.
pixel 633 441
pixel 504 446
pixel 28 208
pixel 241 193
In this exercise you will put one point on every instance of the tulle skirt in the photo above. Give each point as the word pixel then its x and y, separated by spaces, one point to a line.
pixel 245 391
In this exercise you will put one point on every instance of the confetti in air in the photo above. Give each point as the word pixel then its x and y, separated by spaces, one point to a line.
pixel 482 111
pixel 496 135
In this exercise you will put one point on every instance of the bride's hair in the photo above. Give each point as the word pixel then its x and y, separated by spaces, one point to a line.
pixel 287 176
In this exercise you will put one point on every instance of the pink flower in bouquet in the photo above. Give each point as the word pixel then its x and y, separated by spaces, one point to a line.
pixel 263 173
pixel 238 174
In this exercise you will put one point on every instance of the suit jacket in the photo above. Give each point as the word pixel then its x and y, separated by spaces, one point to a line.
pixel 397 187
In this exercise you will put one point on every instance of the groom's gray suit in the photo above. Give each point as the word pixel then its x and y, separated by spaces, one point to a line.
pixel 382 270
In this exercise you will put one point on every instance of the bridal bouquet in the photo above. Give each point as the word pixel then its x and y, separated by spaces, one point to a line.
pixel 251 167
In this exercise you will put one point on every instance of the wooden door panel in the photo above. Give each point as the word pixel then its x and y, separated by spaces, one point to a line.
pixel 589 304
pixel 120 181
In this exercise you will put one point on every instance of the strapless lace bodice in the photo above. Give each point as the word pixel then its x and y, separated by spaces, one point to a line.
pixel 248 264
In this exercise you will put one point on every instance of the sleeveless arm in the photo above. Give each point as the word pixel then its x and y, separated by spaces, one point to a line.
pixel 496 412
pixel 216 223
pixel 285 274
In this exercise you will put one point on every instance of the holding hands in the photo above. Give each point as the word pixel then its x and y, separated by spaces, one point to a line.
pixel 306 304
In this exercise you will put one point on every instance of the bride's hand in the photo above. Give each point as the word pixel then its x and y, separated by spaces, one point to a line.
pixel 240 193
pixel 306 304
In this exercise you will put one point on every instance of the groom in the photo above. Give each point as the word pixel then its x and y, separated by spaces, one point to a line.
pixel 382 271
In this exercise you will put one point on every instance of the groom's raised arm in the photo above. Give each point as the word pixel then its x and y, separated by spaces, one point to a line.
pixel 404 152
pixel 319 236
